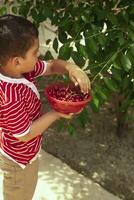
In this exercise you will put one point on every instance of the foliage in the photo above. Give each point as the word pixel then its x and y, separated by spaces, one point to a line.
pixel 98 36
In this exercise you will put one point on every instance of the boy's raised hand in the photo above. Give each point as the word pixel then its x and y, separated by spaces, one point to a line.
pixel 79 77
pixel 76 74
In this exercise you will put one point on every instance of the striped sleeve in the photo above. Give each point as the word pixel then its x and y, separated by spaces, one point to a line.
pixel 15 118
pixel 39 69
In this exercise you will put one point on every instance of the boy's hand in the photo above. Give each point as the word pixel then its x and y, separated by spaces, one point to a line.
pixel 79 77
pixel 70 115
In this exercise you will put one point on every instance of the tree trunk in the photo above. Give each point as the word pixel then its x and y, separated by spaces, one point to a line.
pixel 122 125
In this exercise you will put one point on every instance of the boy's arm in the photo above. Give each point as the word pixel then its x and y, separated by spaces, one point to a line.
pixel 77 75
pixel 56 66
pixel 41 124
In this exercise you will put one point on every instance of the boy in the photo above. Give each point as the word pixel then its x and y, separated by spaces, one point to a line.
pixel 21 121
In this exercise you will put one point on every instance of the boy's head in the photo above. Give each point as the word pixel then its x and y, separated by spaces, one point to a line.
pixel 17 36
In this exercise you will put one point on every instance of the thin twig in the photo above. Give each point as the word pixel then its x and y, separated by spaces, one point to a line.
pixel 106 64
pixel 116 5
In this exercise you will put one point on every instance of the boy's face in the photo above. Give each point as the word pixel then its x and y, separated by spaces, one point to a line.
pixel 28 62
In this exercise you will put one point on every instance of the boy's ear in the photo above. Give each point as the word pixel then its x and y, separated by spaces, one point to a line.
pixel 16 61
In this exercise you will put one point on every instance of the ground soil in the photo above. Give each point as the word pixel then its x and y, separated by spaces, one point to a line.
pixel 97 152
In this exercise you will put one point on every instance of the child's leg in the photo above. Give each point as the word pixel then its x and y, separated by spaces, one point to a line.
pixel 18 183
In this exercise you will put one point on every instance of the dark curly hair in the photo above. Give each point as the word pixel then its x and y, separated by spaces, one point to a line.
pixel 17 35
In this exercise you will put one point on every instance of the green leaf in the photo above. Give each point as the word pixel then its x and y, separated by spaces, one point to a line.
pixel 125 61
pixel 65 52
pixel 81 50
pixel 121 39
pixel 114 56
pixel 75 31
pixel 48 55
pixel 34 14
pixel 94 104
pixel 106 91
pixel 48 41
pixel 131 34
pixel 46 13
pixel 112 18
pixel 78 59
pixel 85 18
pixel 67 25
pixel 125 83
pixel 62 36
pixel 111 84
pixel 83 118
pixel 117 64
pixel 24 9
pixel 125 104
pixel 101 13
pixel 55 45
pixel 71 129
pixel 91 45
pixel 116 74
pixel 3 10
pixel 14 9
pixel 100 92
pixel 132 23
pixel 102 40
pixel 130 56
pixel 95 68
pixel 6 1
pixel 132 50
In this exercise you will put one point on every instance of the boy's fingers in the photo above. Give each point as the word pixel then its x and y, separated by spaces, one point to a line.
pixel 67 116
pixel 70 115
pixel 80 111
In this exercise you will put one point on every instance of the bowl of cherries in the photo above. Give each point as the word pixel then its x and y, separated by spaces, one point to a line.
pixel 66 98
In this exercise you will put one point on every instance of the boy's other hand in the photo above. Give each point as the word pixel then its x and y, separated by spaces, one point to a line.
pixel 70 115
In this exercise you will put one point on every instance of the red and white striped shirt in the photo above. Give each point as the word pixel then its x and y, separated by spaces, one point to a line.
pixel 19 106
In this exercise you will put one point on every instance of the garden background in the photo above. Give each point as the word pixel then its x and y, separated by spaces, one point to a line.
pixel 99 37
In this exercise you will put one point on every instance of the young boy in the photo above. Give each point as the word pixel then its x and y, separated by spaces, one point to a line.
pixel 21 121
